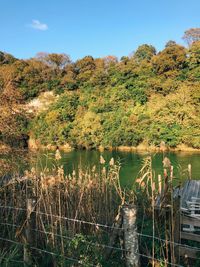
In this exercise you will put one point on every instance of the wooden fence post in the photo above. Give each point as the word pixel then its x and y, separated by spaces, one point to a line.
pixel 190 171
pixel 29 235
pixel 177 228
pixel 130 235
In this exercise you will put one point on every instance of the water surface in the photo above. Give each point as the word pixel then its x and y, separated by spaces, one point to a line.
pixel 131 162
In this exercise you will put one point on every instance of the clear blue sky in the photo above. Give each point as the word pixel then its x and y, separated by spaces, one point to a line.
pixel 92 27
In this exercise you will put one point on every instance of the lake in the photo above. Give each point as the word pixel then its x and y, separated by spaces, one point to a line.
pixel 131 162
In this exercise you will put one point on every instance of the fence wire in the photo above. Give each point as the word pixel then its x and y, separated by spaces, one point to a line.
pixel 97 225
pixel 79 261
pixel 103 225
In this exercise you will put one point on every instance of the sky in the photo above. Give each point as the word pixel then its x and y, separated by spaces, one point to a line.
pixel 93 27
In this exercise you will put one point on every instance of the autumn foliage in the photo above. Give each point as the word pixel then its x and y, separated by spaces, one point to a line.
pixel 147 97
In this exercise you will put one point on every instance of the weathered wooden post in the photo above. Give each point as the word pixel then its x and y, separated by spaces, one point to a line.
pixel 29 236
pixel 177 228
pixel 190 171
pixel 129 213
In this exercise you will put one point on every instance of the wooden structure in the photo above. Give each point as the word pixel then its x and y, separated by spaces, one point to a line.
pixel 125 229
pixel 130 235
pixel 186 216
pixel 190 215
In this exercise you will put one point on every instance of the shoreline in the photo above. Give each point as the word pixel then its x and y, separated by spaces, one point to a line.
pixel 34 145
pixel 180 148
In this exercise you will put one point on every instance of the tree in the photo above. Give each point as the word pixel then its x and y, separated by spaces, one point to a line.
pixel 193 61
pixel 110 60
pixel 144 52
pixel 85 64
pixel 13 120
pixel 99 77
pixel 87 131
pixel 85 68
pixel 6 58
pixel 53 126
pixel 191 35
pixel 194 55
pixel 171 58
pixel 69 80
pixel 54 60
pixel 124 60
pixel 170 43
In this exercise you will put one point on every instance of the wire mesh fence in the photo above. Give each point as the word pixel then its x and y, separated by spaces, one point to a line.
pixel 86 243
pixel 52 220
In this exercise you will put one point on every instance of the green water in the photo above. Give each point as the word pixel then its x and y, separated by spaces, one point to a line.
pixel 131 162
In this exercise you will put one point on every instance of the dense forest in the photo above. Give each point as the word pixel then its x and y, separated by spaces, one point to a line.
pixel 147 98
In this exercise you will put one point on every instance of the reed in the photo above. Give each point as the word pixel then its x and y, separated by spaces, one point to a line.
pixel 67 219
pixel 91 195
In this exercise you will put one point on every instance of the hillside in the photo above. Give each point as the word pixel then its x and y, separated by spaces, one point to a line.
pixel 143 100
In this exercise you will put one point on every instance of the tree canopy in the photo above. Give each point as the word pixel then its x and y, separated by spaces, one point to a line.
pixel 145 98
pixel 191 35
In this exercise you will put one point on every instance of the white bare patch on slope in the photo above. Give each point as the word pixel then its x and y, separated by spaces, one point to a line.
pixel 41 103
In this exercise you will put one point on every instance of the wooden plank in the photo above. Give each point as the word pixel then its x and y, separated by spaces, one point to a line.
pixel 190 221
pixel 188 252
pixel 193 209
pixel 196 198
pixel 194 206
pixel 177 227
pixel 193 203
pixel 190 236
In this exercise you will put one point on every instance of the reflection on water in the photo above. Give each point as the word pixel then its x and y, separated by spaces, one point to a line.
pixel 131 162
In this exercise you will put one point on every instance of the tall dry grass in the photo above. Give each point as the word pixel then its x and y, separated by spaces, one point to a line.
pixel 90 195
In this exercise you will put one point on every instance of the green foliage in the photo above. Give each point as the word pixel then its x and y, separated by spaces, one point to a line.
pixel 194 61
pixel 170 134
pixel 53 126
pixel 119 129
pixel 144 52
pixel 194 55
pixel 11 257
pixel 147 97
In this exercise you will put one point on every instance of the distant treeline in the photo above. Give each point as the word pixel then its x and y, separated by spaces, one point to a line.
pixel 148 97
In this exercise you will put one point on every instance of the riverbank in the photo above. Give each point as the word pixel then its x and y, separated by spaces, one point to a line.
pixel 151 148
pixel 35 145
pixel 4 149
